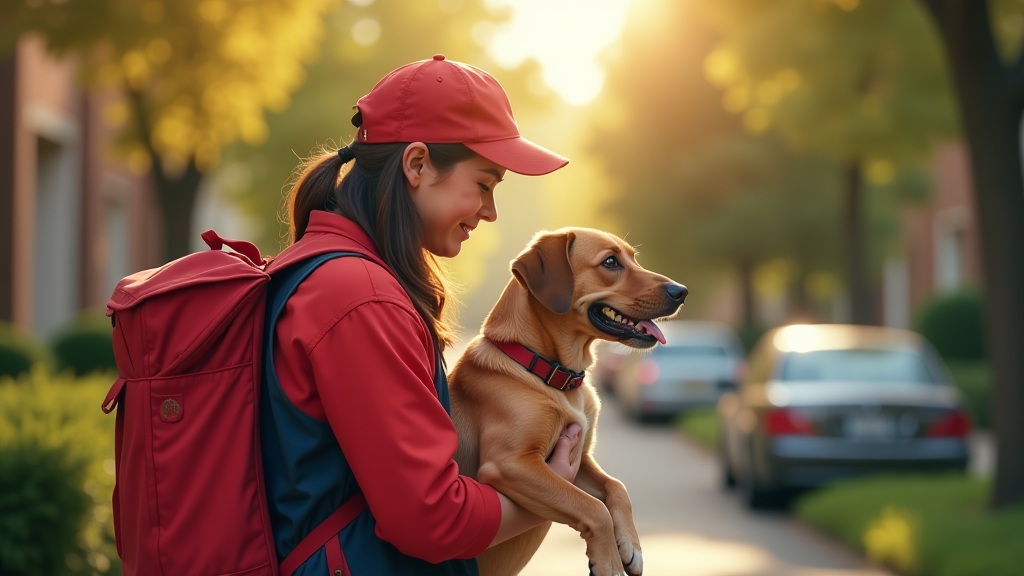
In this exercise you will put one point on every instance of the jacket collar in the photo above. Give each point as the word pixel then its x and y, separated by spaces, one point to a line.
pixel 328 232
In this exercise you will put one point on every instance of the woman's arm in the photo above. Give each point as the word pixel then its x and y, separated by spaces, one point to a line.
pixel 565 461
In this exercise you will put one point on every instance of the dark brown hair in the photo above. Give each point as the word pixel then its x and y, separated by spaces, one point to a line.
pixel 372 192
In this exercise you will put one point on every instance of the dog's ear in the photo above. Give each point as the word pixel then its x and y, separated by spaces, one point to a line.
pixel 543 268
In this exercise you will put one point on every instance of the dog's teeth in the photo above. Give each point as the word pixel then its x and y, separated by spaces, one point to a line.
pixel 618 318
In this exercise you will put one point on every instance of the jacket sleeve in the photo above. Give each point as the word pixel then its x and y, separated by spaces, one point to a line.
pixel 374 372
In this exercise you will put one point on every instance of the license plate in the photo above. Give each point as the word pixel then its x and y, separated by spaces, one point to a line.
pixel 870 426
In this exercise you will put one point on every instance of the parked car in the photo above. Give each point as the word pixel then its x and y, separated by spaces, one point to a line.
pixel 822 402
pixel 697 364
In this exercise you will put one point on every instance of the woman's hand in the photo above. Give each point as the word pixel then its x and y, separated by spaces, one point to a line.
pixel 565 461
pixel 568 453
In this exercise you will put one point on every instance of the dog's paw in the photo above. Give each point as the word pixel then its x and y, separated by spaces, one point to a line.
pixel 631 556
pixel 635 566
pixel 590 565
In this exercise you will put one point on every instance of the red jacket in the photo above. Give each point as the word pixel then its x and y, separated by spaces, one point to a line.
pixel 351 350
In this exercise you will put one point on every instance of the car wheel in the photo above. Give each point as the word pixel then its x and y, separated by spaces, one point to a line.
pixel 755 495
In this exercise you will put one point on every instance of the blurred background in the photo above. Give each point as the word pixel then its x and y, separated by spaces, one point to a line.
pixel 790 161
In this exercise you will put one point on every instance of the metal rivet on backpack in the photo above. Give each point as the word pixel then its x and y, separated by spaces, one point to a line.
pixel 338 573
pixel 170 410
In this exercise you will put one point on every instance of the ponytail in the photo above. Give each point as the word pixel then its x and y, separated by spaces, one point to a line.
pixel 373 193
pixel 315 189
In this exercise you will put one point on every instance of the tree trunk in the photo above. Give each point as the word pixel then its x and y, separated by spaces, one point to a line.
pixel 176 195
pixel 177 199
pixel 746 270
pixel 991 98
pixel 853 245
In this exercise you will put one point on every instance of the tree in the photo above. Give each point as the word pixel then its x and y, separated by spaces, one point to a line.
pixel 988 72
pixel 701 196
pixel 195 75
pixel 859 80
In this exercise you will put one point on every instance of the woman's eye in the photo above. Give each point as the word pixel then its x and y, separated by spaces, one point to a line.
pixel 610 262
pixel 485 188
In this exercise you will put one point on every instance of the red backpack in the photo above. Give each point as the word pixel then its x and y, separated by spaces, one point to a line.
pixel 189 497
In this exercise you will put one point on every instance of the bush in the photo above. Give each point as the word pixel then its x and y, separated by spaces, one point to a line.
pixel 19 351
pixel 55 424
pixel 42 508
pixel 934 525
pixel 84 346
pixel 974 380
pixel 955 325
pixel 749 335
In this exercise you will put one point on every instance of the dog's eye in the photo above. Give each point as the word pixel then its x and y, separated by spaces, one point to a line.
pixel 611 263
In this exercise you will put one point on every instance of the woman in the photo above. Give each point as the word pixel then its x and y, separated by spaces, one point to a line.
pixel 354 411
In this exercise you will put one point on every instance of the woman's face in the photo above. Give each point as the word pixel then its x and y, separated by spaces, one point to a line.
pixel 451 205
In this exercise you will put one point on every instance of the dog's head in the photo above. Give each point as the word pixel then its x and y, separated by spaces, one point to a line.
pixel 593 277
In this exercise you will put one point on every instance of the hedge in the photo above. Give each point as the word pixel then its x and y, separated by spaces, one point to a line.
pixel 955 325
pixel 84 346
pixel 19 351
pixel 56 450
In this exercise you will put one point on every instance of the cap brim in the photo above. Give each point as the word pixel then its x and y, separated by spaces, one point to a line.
pixel 519 155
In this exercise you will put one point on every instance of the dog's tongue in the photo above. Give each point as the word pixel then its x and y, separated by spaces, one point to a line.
pixel 651 328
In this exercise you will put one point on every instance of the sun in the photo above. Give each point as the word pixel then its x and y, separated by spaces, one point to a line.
pixel 565 37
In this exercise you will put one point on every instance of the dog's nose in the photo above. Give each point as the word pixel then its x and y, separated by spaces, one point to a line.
pixel 676 292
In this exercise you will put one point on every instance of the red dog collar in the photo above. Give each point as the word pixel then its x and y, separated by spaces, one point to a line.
pixel 552 373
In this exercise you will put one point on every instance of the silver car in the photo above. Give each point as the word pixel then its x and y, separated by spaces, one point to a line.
pixel 697 364
pixel 821 402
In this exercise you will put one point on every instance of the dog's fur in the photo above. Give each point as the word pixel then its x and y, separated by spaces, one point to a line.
pixel 509 420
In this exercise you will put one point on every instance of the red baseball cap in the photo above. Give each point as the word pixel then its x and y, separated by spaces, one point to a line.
pixel 439 101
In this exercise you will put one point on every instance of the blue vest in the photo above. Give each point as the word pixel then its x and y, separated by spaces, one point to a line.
pixel 307 476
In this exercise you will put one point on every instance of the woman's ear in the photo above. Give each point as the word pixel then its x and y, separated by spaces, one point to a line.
pixel 414 162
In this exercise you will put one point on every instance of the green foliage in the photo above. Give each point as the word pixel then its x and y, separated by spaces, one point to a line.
pixel 42 508
pixel 701 426
pixel 922 525
pixel 859 79
pixel 55 423
pixel 955 325
pixel 19 351
pixel 84 346
pixel 749 335
pixel 202 73
pixel 974 380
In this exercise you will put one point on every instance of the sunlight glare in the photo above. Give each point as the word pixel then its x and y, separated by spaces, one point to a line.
pixel 564 36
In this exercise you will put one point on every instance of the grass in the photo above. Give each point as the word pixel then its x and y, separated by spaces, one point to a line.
pixel 921 525
pixel 701 426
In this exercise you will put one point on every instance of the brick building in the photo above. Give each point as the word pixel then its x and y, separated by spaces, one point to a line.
pixel 72 221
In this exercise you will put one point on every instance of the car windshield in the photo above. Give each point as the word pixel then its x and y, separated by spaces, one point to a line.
pixel 691 351
pixel 856 365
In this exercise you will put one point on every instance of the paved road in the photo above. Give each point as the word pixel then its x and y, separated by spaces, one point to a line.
pixel 687 524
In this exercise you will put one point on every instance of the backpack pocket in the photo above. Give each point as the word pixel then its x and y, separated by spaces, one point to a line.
pixel 203 491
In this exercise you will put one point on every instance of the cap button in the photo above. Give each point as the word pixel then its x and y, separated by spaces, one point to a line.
pixel 438 57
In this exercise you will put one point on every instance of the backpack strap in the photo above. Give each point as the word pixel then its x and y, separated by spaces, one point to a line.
pixel 284 283
pixel 323 534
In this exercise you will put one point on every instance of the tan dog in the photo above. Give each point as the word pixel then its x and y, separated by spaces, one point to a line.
pixel 570 287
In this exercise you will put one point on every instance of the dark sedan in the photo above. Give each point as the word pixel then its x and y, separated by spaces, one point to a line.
pixel 822 402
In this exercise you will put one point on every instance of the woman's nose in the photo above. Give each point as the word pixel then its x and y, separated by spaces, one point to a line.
pixel 489 211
